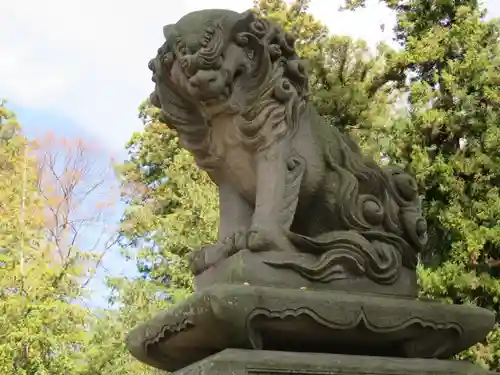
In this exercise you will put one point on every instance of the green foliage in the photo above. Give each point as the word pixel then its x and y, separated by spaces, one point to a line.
pixel 41 331
pixel 136 301
pixel 172 205
pixel 449 138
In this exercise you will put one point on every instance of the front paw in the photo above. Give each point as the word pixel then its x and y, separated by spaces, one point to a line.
pixel 209 256
pixel 197 262
pixel 262 238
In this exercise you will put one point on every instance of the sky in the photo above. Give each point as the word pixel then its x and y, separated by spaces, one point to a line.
pixel 79 68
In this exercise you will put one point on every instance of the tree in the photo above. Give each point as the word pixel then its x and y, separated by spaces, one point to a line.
pixel 172 205
pixel 79 190
pixel 449 137
pixel 56 205
pixel 41 331
pixel 135 302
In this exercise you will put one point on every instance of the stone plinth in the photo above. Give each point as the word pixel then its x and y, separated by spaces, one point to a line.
pixel 248 266
pixel 250 362
pixel 295 320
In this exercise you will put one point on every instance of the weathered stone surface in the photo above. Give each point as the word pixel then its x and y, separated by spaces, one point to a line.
pixel 266 318
pixel 241 267
pixel 247 362
pixel 236 91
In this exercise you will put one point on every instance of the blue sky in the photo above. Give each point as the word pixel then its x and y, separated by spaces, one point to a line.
pixel 79 68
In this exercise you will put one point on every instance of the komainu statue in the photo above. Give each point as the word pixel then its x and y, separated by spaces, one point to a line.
pixel 314 271
pixel 297 197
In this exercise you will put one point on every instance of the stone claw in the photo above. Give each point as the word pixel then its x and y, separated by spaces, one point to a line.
pixel 209 256
pixel 257 238
pixel 196 261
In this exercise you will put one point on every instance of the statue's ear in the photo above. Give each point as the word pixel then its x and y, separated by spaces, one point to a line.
pixel 248 14
pixel 244 19
pixel 167 31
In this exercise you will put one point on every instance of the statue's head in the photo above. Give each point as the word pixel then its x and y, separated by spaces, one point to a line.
pixel 218 61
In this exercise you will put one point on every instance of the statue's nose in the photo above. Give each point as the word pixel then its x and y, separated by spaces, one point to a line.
pixel 203 79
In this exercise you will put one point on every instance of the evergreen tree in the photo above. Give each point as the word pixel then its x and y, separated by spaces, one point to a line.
pixel 172 205
pixel 449 138
pixel 133 302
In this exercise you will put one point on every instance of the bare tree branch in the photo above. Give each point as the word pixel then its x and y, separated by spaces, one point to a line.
pixel 78 186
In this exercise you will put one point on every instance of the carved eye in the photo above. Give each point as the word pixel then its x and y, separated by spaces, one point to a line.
pixel 241 39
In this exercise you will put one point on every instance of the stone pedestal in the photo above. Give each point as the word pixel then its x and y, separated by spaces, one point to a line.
pixel 295 320
pixel 252 362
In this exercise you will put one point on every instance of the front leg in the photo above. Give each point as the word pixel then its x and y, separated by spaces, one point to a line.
pixel 235 215
pixel 279 174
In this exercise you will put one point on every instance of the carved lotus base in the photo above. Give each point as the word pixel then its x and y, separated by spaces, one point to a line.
pixel 246 362
pixel 264 318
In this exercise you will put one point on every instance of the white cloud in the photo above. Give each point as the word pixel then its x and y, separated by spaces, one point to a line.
pixel 493 7
pixel 87 59
pixel 37 90
pixel 362 24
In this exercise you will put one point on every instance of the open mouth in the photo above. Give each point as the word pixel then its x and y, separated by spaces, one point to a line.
pixel 219 99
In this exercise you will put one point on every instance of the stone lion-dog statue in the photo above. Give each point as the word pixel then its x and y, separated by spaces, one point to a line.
pixel 233 87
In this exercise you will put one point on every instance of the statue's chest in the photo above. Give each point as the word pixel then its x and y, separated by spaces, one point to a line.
pixel 237 163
